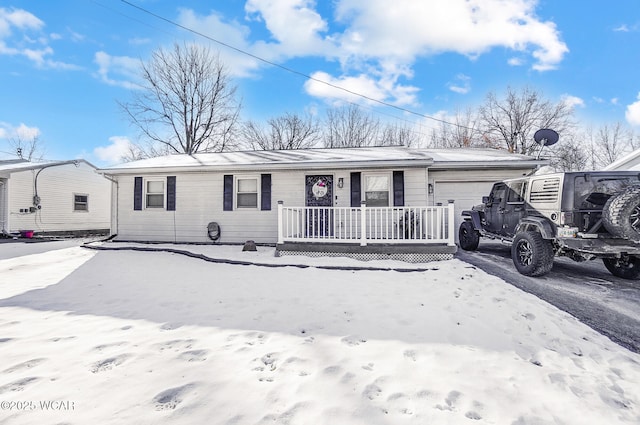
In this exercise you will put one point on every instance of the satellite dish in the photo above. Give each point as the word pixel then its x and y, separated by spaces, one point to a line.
pixel 546 137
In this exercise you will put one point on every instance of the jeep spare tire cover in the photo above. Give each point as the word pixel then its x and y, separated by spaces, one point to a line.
pixel 621 214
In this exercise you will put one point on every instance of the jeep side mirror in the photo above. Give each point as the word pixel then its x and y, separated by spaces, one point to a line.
pixel 486 200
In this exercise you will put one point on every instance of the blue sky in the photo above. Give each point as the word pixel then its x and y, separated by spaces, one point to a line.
pixel 64 64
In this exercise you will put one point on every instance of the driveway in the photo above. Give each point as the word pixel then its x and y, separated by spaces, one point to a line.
pixel 586 290
pixel 11 248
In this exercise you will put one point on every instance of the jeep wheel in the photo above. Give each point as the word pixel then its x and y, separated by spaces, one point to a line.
pixel 625 267
pixel 532 255
pixel 468 236
pixel 621 214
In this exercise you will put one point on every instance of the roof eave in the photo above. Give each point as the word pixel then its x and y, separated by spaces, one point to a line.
pixel 316 165
pixel 474 165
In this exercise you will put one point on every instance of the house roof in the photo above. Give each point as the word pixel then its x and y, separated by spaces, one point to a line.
pixel 627 162
pixel 12 166
pixel 337 158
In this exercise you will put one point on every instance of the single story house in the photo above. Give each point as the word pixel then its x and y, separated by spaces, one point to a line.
pixel 367 197
pixel 53 197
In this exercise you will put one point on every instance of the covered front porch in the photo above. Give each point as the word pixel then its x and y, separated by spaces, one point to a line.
pixel 414 234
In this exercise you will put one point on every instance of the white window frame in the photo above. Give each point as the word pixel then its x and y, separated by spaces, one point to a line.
pixel 76 203
pixel 236 191
pixel 365 177
pixel 146 193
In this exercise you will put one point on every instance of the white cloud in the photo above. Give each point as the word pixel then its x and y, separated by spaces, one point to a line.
pixel 18 18
pixel 232 33
pixel 22 131
pixel 462 84
pixel 120 146
pixel 633 113
pixel 572 101
pixel 126 70
pixel 377 42
pixel 407 29
pixel 293 23
pixel 348 88
pixel 39 52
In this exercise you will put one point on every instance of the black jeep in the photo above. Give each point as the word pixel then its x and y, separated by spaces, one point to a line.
pixel 581 215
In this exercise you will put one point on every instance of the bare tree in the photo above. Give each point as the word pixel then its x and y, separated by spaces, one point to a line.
pixel 289 131
pixel 398 135
pixel 608 143
pixel 348 126
pixel 460 132
pixel 187 103
pixel 514 119
pixel 27 148
pixel 570 155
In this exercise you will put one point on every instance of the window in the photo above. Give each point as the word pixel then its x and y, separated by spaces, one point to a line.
pixel 377 190
pixel 516 192
pixel 81 202
pixel 247 192
pixel 155 194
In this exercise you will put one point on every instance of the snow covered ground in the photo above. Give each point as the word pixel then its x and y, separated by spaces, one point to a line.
pixel 154 337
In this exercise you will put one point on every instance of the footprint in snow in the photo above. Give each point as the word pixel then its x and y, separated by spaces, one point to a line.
pixel 110 363
pixel 170 399
pixel 24 365
pixel 103 347
pixel 410 354
pixel 176 344
pixel 194 355
pixel 18 385
pixel 353 340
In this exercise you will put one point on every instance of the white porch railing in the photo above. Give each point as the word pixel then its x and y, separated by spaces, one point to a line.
pixel 367 225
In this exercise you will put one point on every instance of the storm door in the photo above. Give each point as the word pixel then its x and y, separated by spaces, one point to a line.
pixel 319 200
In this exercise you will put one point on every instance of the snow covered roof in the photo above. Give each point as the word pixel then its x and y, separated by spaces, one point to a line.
pixel 366 157
pixel 629 162
pixel 11 166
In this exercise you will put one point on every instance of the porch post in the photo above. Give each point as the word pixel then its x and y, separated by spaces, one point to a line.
pixel 452 227
pixel 280 224
pixel 363 224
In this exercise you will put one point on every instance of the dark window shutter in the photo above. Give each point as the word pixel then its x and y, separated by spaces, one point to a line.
pixel 356 194
pixel 265 189
pixel 228 193
pixel 398 188
pixel 137 193
pixel 171 193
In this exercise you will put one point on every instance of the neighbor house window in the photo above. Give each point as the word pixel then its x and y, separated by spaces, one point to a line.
pixel 247 192
pixel 81 202
pixel 376 193
pixel 155 194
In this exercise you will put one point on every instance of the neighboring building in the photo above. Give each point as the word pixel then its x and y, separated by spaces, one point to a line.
pixel 630 162
pixel 174 198
pixel 56 197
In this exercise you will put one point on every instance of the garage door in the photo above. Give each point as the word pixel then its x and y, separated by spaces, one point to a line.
pixel 465 195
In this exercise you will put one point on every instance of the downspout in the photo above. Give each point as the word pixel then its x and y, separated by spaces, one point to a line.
pixel 114 181
pixel 3 216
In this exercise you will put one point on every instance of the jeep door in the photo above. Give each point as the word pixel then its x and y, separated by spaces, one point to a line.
pixel 514 208
pixel 494 208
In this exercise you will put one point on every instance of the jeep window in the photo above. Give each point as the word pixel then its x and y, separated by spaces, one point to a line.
pixel 498 192
pixel 516 192
pixel 592 192
pixel 544 190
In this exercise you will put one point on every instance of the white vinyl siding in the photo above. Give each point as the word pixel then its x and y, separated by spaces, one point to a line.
pixel 57 187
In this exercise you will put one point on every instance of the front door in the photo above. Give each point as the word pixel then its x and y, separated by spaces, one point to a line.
pixel 319 194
